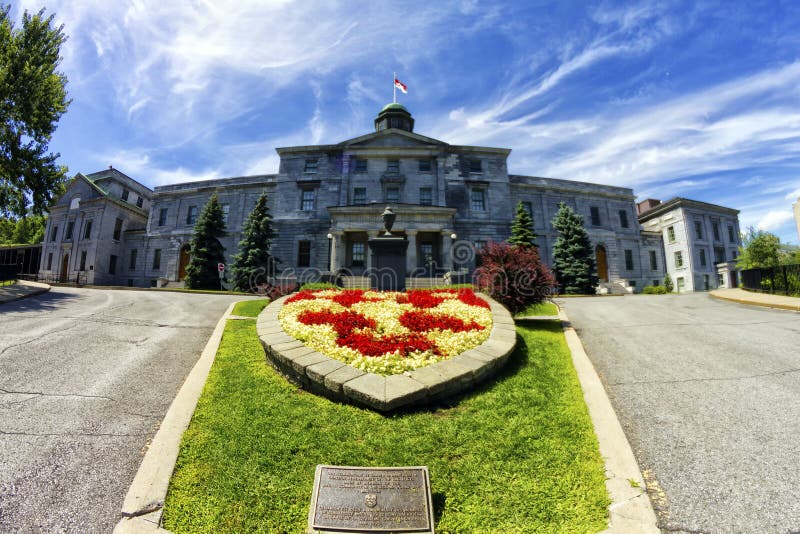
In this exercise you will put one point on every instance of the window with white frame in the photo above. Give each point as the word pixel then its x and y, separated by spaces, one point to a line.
pixel 310 166
pixel 678 259
pixel 478 199
pixel 307 197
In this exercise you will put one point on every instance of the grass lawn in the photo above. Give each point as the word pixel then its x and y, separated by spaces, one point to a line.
pixel 543 308
pixel 249 308
pixel 7 283
pixel 517 455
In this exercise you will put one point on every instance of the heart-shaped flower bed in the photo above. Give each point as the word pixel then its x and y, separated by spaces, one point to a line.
pixel 388 332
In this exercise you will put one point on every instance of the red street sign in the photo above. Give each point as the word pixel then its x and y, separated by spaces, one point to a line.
pixel 221 267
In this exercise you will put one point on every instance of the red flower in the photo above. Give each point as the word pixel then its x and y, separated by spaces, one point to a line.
pixel 422 299
pixel 468 297
pixel 372 346
pixel 420 321
pixel 302 295
pixel 343 322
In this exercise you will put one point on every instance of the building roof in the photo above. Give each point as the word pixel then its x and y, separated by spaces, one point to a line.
pixel 680 202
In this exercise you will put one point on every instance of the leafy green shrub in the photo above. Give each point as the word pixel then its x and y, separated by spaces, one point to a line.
pixel 314 286
pixel 655 290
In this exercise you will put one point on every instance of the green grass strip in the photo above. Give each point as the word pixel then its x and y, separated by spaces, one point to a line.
pixel 249 308
pixel 543 308
pixel 516 455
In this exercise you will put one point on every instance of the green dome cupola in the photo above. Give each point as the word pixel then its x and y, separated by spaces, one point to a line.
pixel 394 116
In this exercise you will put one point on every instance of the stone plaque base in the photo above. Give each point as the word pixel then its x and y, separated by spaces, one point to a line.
pixel 371 499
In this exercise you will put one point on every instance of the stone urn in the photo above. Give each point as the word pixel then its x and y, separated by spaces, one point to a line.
pixel 388 220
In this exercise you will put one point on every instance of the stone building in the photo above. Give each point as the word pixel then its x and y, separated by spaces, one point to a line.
pixel 326 202
pixel 701 241
pixel 90 229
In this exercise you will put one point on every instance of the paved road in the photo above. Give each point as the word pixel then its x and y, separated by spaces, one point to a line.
pixel 708 393
pixel 86 377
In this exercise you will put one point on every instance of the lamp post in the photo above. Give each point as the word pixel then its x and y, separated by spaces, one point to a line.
pixel 453 238
pixel 330 252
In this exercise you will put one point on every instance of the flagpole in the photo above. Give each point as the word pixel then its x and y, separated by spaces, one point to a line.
pixel 394 88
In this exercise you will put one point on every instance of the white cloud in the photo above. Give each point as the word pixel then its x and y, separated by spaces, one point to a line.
pixel 774 219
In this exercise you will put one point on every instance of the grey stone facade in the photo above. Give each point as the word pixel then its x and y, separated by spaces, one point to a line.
pixel 701 242
pixel 326 202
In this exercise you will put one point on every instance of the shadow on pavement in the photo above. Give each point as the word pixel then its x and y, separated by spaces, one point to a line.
pixel 45 302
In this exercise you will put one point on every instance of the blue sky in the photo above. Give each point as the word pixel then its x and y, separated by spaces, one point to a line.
pixel 693 99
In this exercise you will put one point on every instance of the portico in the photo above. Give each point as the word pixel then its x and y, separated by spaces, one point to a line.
pixel 427 229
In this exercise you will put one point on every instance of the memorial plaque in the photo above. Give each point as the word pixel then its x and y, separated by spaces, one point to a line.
pixel 371 499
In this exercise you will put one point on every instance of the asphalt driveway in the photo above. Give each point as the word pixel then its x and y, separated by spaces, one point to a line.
pixel 86 376
pixel 708 393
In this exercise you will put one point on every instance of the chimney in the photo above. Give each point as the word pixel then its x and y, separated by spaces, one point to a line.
pixel 646 205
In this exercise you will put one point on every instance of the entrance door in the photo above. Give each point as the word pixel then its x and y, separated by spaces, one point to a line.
pixel 602 263
pixel 64 266
pixel 183 262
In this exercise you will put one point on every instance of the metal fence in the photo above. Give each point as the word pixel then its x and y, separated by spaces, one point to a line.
pixel 8 272
pixel 77 279
pixel 781 280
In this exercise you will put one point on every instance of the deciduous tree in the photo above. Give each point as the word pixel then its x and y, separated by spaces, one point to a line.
pixel 33 97
pixel 759 249
pixel 573 256
pixel 206 250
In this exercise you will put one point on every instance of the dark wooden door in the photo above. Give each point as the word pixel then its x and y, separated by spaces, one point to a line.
pixel 183 262
pixel 602 263
pixel 64 268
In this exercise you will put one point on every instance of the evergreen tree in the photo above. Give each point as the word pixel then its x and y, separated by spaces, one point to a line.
pixel 573 257
pixel 206 251
pixel 254 259
pixel 33 97
pixel 522 234
pixel 668 283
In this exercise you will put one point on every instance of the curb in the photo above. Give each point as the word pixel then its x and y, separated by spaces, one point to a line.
pixel 790 307
pixel 144 503
pixel 38 289
pixel 630 509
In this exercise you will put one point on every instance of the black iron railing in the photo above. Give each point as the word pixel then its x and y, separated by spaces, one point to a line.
pixel 8 272
pixel 780 280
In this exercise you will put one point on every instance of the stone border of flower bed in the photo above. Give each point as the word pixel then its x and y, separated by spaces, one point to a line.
pixel 336 380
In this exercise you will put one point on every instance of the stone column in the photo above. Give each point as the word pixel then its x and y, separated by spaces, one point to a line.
pixel 411 257
pixel 336 250
pixel 447 243
pixel 371 234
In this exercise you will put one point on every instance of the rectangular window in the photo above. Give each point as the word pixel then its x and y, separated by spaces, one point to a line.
pixel 678 259
pixel 392 195
pixel 623 218
pixel 132 262
pixel 307 200
pixel 162 216
pixel 698 230
pixel 112 265
pixel 83 261
pixel 719 254
pixel 125 194
pixel 361 165
pixel 594 212
pixel 731 235
pixel 475 166
pixel 359 195
pixel 357 253
pixel 157 259
pixel 720 280
pixel 70 228
pixel 118 229
pixel 139 202
pixel 656 283
pixel 393 165
pixel 53 232
pixel 310 167
pixel 653 261
pixel 87 232
pixel 478 200
pixel 424 165
pixel 226 209
pixel 715 226
pixel 528 207
pixel 680 283
pixel 191 215
pixel 671 234
pixel 426 196
pixel 702 257
pixel 49 261
pixel 304 254
pixel 628 259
